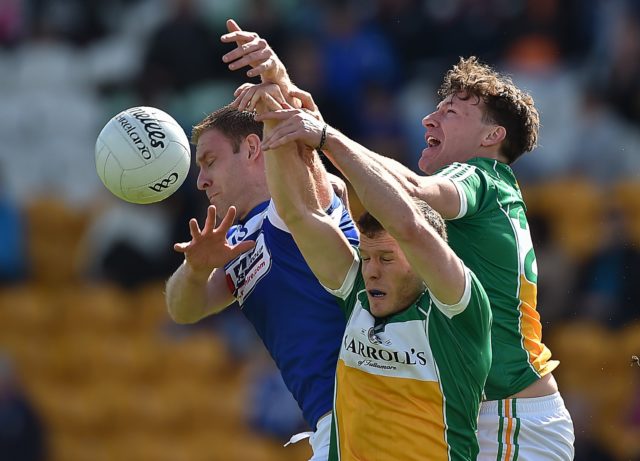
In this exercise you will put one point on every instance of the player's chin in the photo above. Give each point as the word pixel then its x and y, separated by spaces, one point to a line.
pixel 378 306
pixel 424 160
pixel 427 163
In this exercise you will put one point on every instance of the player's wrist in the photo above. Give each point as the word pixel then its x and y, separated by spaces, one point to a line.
pixel 196 275
pixel 323 138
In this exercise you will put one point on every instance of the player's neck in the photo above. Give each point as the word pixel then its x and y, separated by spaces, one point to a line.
pixel 255 198
pixel 492 153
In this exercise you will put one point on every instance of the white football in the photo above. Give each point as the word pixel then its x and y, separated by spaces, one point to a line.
pixel 142 155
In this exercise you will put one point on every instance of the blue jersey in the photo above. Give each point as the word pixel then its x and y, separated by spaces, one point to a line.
pixel 299 322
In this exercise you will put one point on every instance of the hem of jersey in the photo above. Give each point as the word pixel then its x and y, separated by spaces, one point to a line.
pixel 550 366
pixel 349 279
pixel 451 310
pixel 527 405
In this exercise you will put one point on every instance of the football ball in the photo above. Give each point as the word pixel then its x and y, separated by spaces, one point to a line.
pixel 142 155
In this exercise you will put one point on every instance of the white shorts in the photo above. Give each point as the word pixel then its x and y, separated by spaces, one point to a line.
pixel 527 429
pixel 321 439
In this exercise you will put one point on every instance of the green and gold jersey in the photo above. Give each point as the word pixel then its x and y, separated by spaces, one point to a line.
pixel 491 235
pixel 409 386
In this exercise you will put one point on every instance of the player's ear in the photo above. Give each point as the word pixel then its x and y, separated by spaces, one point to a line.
pixel 253 143
pixel 497 134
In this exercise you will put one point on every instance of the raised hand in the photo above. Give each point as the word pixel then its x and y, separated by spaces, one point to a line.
pixel 208 248
pixel 294 125
pixel 306 101
pixel 253 51
pixel 248 96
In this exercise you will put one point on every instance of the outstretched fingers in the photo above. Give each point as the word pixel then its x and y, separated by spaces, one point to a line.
pixel 210 221
pixel 194 228
pixel 233 26
pixel 181 247
pixel 228 220
pixel 239 36
pixel 262 68
pixel 242 247
pixel 248 54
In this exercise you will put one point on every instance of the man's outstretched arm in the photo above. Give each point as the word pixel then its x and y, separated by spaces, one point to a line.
pixel 383 196
pixel 254 51
pixel 291 183
pixel 198 287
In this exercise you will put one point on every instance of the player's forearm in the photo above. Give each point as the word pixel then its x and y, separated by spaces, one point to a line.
pixel 438 192
pixel 322 184
pixel 407 178
pixel 290 181
pixel 186 295
pixel 379 191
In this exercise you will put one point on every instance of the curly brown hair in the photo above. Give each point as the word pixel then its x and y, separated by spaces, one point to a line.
pixel 231 122
pixel 505 104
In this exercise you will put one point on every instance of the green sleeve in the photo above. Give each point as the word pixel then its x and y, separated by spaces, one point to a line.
pixel 472 186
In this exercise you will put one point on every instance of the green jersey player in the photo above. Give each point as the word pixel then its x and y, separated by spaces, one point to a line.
pixel 416 350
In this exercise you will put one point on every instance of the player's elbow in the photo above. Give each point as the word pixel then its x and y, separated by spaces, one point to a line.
pixel 182 311
pixel 292 214
pixel 183 316
pixel 407 229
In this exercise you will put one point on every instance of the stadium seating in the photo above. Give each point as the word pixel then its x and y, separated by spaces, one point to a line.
pixel 112 382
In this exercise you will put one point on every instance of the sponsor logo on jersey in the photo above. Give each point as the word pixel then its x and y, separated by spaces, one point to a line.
pixel 373 355
pixel 240 232
pixel 373 337
pixel 244 273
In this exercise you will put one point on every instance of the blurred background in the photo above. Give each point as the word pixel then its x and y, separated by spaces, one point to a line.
pixel 91 366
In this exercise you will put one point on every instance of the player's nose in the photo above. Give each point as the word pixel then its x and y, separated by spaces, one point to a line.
pixel 429 121
pixel 203 181
pixel 370 270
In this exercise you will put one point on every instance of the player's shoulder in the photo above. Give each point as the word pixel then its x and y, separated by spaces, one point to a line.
pixel 457 171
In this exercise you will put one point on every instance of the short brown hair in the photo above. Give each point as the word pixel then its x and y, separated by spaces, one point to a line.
pixel 505 103
pixel 370 226
pixel 231 122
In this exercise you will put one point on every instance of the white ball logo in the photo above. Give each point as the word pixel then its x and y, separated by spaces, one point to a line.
pixel 142 155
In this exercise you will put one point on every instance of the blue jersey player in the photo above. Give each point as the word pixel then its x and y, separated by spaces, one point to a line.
pixel 255 261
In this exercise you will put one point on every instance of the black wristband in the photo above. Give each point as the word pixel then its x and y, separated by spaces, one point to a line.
pixel 323 138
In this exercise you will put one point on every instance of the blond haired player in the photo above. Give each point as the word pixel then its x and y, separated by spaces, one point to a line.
pixel 416 350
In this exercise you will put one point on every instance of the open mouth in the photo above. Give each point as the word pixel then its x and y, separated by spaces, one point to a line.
pixel 376 293
pixel 432 142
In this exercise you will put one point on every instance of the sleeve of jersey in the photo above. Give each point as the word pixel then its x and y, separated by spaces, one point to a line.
pixel 468 184
pixel 451 310
pixel 349 281
pixel 347 293
pixel 336 211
